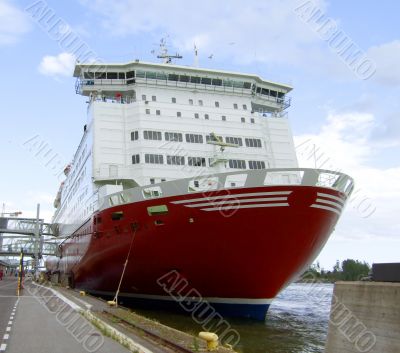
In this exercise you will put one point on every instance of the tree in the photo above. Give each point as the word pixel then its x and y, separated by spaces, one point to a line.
pixel 354 270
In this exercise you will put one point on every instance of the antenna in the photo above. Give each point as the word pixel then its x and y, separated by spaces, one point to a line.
pixel 196 57
pixel 217 141
pixel 167 59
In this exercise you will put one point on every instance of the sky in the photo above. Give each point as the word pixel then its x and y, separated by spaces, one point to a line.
pixel 341 57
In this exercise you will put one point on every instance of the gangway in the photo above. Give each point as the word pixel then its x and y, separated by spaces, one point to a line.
pixel 32 236
pixel 14 225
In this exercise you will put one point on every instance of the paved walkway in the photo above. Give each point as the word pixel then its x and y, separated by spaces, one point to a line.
pixel 7 301
pixel 41 323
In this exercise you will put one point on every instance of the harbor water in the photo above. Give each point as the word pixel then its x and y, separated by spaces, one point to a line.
pixel 297 322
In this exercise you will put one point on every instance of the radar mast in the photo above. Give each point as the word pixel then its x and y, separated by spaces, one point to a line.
pixel 163 54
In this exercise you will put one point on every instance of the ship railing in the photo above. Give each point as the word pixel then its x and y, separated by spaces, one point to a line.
pixel 91 83
pixel 283 102
pixel 115 99
pixel 232 180
pixel 269 114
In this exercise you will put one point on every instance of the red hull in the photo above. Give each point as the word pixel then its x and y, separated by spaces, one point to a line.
pixel 248 252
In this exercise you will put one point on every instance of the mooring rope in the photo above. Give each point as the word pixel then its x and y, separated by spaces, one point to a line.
pixel 126 263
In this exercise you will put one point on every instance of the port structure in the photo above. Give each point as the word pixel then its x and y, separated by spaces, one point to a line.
pixel 31 236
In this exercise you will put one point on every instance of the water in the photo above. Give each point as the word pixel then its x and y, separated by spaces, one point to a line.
pixel 297 322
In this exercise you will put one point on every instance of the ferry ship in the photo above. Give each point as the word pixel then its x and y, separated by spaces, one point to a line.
pixel 190 171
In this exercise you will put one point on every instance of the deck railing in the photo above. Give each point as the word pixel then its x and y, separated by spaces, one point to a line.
pixel 231 180
pixel 283 103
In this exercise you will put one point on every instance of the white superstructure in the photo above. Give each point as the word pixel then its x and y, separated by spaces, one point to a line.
pixel 149 123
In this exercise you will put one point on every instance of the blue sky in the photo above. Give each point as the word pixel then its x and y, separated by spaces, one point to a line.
pixel 352 122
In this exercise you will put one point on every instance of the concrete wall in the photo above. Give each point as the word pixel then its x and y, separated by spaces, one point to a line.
pixel 365 317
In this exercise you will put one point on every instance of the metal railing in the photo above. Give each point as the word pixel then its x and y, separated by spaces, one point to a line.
pixel 246 179
pixel 24 226
pixel 91 83
pixel 14 247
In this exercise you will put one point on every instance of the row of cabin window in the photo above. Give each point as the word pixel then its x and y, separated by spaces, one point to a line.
pixel 194 138
pixel 191 102
pixel 194 161
pixel 197 116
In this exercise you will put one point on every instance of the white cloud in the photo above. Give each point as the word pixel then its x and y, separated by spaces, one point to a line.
pixel 247 31
pixel 342 144
pixel 13 23
pixel 250 32
pixel 387 58
pixel 60 65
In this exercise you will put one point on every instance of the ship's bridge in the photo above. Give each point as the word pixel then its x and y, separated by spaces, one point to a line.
pixel 118 81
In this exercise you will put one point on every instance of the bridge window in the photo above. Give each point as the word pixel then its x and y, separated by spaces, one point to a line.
pixel 217 104
pixel 161 76
pixel 235 106
pixel 100 75
pixel 88 75
pixel 151 74
pixel 200 102
pixel 121 75
pixel 195 79
pixel 129 74
pixel 112 75
pixel 173 77
pixel 173 99
pixel 217 82
pixel 206 116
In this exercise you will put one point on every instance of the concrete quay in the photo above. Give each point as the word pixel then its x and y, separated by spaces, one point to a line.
pixel 27 324
pixel 53 319
pixel 365 317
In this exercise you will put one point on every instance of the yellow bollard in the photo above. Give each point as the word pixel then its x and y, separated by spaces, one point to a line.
pixel 82 293
pixel 211 339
